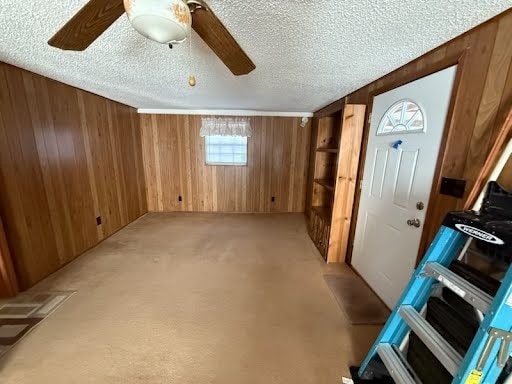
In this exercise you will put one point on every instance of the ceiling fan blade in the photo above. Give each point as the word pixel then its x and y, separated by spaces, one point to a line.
pixel 218 38
pixel 87 25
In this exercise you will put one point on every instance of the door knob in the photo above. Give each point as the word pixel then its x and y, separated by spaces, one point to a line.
pixel 414 223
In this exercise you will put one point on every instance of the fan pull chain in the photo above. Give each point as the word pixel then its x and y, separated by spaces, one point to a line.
pixel 191 77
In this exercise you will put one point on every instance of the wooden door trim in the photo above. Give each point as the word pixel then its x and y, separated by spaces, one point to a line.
pixel 436 181
pixel 458 59
pixel 8 281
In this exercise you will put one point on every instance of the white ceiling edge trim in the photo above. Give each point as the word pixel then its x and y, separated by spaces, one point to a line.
pixel 222 112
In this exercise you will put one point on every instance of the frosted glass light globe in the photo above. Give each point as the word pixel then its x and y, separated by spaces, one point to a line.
pixel 163 21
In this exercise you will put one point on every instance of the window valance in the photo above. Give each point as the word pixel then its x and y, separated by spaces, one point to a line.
pixel 226 126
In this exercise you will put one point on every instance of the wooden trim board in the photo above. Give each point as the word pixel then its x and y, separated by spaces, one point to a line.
pixel 348 163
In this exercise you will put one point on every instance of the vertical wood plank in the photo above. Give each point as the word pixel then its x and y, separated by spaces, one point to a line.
pixel 34 214
pixel 346 175
pixel 8 282
pixel 90 167
pixel 116 159
pixel 41 122
pixel 148 158
pixel 485 124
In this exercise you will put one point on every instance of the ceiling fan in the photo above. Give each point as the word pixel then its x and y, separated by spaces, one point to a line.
pixel 164 21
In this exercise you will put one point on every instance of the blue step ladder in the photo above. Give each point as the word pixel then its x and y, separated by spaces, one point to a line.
pixel 491 346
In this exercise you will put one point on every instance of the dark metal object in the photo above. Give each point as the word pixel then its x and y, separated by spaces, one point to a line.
pixel 414 223
pixel 452 187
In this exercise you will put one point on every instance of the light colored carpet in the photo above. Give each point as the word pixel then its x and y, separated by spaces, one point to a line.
pixel 357 300
pixel 194 299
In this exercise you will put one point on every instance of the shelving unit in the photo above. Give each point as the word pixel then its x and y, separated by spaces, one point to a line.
pixel 324 213
pixel 336 144
pixel 327 183
pixel 329 150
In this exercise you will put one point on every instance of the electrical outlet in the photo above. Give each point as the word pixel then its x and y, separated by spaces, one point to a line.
pixel 180 198
pixel 98 220
pixel 273 199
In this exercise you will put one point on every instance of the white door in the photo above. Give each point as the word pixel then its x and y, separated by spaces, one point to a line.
pixel 405 135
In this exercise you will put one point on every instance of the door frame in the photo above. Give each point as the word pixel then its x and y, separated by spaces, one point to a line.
pixel 449 61
pixel 8 282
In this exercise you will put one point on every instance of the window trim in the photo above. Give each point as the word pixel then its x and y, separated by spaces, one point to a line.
pixel 233 164
pixel 408 131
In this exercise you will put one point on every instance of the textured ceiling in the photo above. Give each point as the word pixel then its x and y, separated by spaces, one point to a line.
pixel 308 53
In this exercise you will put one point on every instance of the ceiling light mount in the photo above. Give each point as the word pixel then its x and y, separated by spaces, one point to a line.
pixel 195 5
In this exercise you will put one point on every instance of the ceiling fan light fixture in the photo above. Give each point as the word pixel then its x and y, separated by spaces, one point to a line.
pixel 163 21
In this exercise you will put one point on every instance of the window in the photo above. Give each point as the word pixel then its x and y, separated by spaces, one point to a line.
pixel 226 150
pixel 403 116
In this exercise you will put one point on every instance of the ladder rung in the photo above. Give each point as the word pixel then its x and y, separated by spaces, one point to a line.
pixel 463 288
pixel 444 352
pixel 396 367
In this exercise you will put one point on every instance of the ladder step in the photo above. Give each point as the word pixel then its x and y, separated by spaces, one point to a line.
pixel 445 353
pixel 463 288
pixel 396 366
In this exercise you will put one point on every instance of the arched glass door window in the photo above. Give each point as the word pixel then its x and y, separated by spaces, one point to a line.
pixel 403 116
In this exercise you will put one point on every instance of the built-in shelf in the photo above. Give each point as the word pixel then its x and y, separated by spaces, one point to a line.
pixel 327 183
pixel 328 150
pixel 325 213
pixel 336 145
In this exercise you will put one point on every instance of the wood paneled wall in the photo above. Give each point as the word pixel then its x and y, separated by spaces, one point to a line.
pixel 480 104
pixel 174 163
pixel 66 158
pixel 8 281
